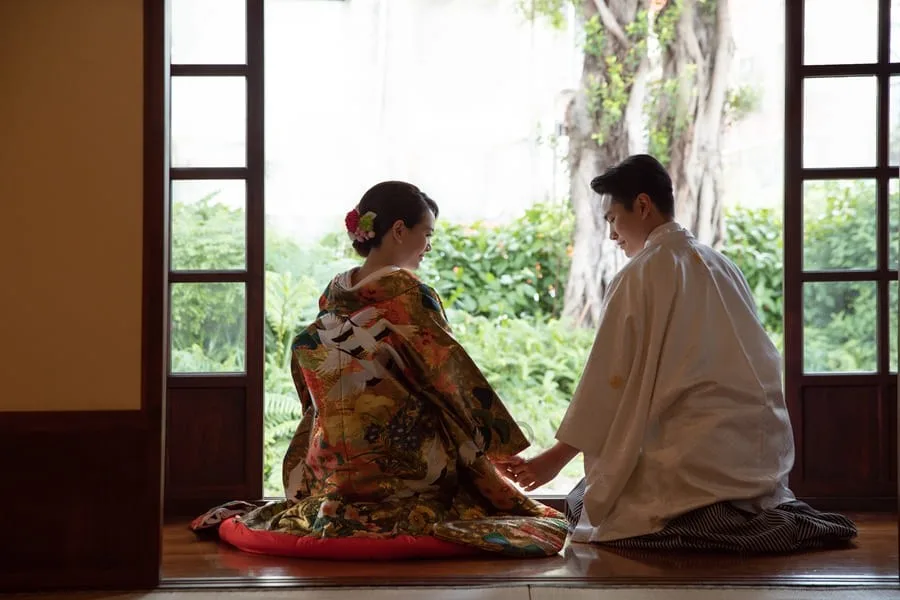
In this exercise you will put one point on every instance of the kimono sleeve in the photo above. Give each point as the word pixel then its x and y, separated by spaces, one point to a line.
pixel 606 400
pixel 292 464
pixel 308 339
pixel 449 377
pixel 300 383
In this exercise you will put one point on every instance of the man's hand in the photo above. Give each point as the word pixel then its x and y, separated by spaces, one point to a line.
pixel 540 470
pixel 532 474
pixel 504 464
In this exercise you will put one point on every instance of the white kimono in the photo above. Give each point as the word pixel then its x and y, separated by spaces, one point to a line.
pixel 681 402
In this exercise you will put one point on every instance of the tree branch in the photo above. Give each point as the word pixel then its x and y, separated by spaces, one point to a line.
pixel 718 85
pixel 686 30
pixel 611 23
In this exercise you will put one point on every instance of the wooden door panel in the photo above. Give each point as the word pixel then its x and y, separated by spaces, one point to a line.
pixel 213 452
pixel 207 438
pixel 842 438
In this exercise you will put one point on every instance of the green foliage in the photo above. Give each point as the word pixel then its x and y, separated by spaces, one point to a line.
pixel 207 326
pixel 503 287
pixel 212 313
pixel 281 417
pixel 289 300
pixel 839 225
pixel 741 102
pixel 550 10
pixel 517 269
pixel 611 64
pixel 594 37
pixel 662 101
pixel 754 242
pixel 207 235
pixel 637 32
pixel 664 107
pixel 608 91
pixel 839 327
pixel 708 9
pixel 207 318
pixel 533 363
pixel 665 25
pixel 839 318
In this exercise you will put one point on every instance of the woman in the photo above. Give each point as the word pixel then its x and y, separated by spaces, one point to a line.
pixel 399 426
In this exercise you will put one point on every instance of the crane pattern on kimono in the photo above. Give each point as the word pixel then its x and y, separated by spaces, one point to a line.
pixel 357 339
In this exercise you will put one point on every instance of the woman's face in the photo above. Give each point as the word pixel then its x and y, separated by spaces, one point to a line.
pixel 415 242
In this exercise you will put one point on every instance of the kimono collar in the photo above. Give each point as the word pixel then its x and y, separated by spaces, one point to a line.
pixel 659 232
pixel 382 285
pixel 346 277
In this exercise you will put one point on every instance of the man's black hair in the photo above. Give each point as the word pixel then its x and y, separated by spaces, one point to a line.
pixel 637 174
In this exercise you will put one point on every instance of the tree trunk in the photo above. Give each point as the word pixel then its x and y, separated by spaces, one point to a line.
pixel 703 48
pixel 674 111
pixel 595 258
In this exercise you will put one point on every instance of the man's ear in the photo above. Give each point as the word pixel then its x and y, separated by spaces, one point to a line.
pixel 644 205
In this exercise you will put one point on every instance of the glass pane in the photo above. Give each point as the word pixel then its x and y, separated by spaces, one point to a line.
pixel 209 122
pixel 839 327
pixel 827 21
pixel 895 31
pixel 893 308
pixel 894 121
pixel 839 225
pixel 208 327
pixel 209 32
pixel 893 224
pixel 839 122
pixel 208 225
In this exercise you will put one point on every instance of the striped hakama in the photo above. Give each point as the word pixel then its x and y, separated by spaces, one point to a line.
pixel 722 527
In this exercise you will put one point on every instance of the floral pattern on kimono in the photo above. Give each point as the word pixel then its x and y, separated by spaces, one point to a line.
pixel 397 430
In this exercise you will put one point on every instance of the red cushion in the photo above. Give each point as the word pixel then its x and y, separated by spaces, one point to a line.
pixel 346 548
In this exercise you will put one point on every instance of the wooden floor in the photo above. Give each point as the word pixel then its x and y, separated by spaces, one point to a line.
pixel 189 562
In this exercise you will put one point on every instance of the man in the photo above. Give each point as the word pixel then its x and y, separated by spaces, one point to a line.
pixel 680 410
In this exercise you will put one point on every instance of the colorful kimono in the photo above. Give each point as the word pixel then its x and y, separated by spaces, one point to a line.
pixel 398 424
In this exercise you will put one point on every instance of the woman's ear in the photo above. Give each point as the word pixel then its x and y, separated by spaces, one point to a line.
pixel 398 230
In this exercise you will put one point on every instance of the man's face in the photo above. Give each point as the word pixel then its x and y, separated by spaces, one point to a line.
pixel 628 228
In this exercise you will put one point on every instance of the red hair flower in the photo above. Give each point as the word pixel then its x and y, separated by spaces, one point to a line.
pixel 360 228
pixel 352 220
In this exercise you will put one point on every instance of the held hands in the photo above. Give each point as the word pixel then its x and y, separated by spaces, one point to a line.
pixel 529 474
pixel 532 474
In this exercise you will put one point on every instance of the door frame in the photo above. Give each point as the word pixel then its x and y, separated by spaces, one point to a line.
pixel 805 392
pixel 227 409
pixel 156 197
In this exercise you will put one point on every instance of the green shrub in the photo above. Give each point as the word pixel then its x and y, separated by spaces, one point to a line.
pixel 753 240
pixel 503 287
pixel 534 365
pixel 517 269
pixel 839 318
